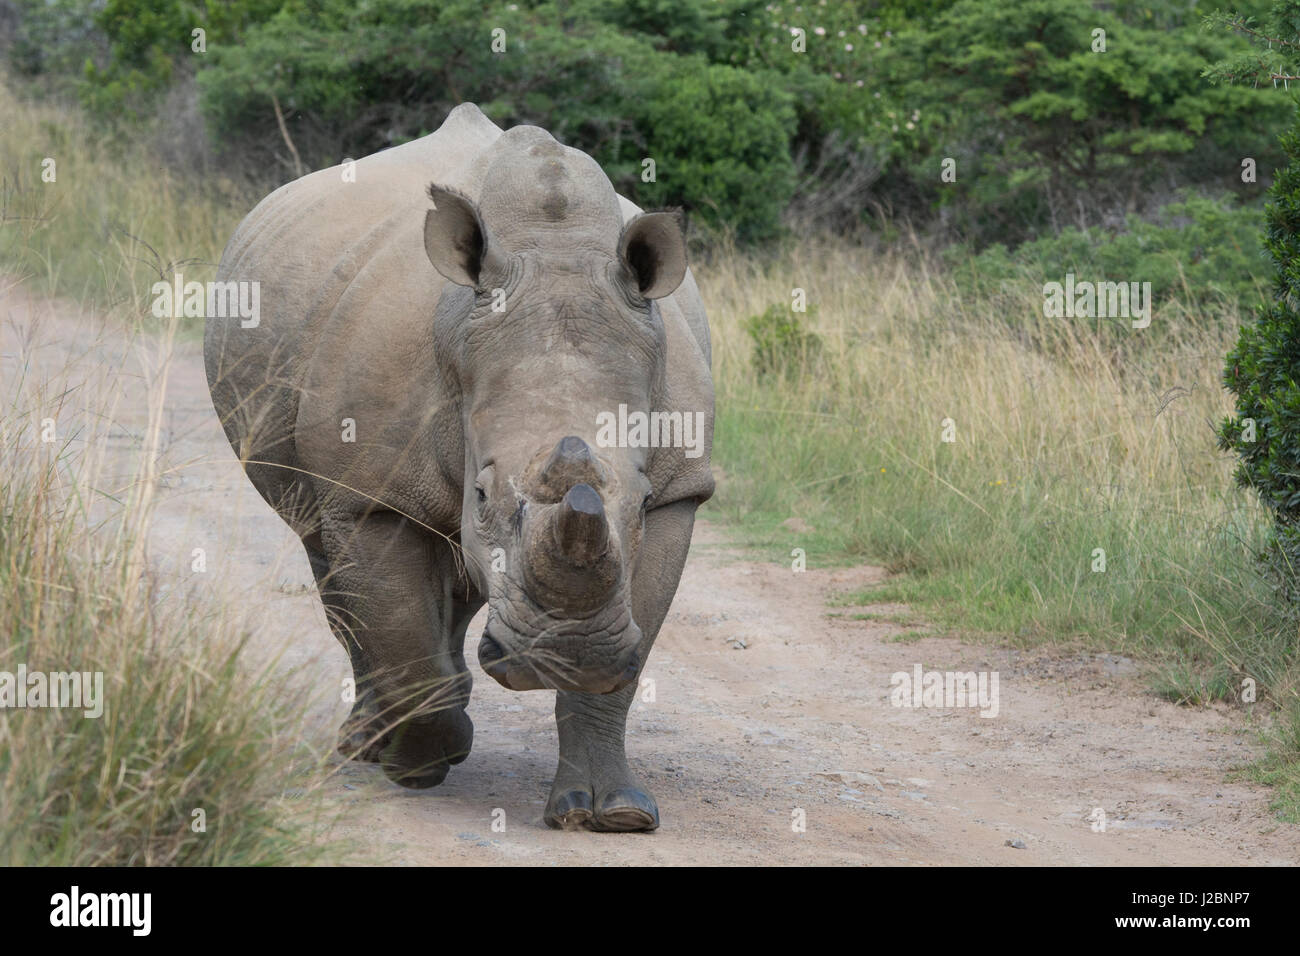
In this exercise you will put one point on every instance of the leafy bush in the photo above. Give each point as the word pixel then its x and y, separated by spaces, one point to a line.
pixel 720 139
pixel 1263 371
pixel 1198 250
pixel 781 342
pixel 1048 131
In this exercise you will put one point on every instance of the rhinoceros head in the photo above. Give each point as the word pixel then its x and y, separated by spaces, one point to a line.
pixel 552 322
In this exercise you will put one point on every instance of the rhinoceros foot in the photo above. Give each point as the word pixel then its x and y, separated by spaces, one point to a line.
pixel 421 751
pixel 359 743
pixel 362 737
pixel 620 810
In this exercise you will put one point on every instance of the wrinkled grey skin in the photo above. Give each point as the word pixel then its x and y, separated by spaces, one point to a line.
pixel 475 474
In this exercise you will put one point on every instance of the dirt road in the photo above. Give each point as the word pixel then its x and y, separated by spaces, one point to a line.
pixel 764 704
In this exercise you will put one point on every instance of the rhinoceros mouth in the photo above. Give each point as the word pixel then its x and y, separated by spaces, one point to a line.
pixel 539 668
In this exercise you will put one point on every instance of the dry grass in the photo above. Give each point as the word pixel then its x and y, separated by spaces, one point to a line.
pixel 113 222
pixel 196 757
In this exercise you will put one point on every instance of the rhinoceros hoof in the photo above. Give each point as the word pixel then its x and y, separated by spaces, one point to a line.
pixel 570 810
pixel 622 810
pixel 422 751
pixel 626 809
pixel 361 743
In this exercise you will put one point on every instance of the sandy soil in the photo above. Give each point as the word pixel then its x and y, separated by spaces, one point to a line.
pixel 766 700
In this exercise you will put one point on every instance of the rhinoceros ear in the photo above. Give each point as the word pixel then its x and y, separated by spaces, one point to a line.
pixel 454 238
pixel 653 247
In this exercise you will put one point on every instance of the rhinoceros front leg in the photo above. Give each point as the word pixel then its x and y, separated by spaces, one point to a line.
pixel 395 600
pixel 594 786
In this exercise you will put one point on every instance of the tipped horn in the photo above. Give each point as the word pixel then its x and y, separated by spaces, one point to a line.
pixel 581 529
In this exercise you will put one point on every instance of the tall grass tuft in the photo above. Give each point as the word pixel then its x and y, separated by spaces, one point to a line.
pixel 196 756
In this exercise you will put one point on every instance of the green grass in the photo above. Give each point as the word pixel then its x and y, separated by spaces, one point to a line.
pixel 197 758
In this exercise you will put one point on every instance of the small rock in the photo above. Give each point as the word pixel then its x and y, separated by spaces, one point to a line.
pixel 852 777
pixel 1015 844
pixel 1116 664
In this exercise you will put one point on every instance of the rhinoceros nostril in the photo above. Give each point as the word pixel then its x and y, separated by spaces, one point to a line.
pixel 629 673
pixel 491 657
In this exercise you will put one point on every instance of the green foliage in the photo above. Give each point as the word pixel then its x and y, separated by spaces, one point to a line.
pixel 781 342
pixel 383 73
pixel 125 53
pixel 718 31
pixel 740 119
pixel 146 39
pixel 1049 131
pixel 1273 54
pixel 1263 368
pixel 1199 250
pixel 720 140
pixel 1263 371
pixel 51 36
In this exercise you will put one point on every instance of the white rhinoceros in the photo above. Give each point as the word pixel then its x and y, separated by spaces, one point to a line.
pixel 447 329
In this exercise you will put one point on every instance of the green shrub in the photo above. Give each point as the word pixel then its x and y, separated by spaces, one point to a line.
pixel 1047 131
pixel 1263 372
pixel 1198 250
pixel 781 342
pixel 720 140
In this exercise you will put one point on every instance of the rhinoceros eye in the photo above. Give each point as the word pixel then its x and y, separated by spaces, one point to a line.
pixel 482 495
